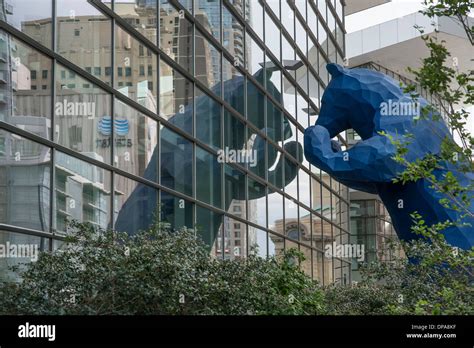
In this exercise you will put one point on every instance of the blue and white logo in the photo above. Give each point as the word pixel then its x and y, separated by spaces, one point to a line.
pixel 120 126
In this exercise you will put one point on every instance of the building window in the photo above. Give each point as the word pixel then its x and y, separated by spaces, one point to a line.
pixel 89 69
pixel 150 70
pixel 237 226
pixel 108 71
pixel 77 32
pixel 128 71
pixel 150 85
pixel 120 71
pixel 141 52
pixel 72 74
pixel 142 70
pixel 237 234
pixel 237 242
pixel 97 70
pixel 44 87
pixel 44 74
pixel 63 74
pixel 33 74
pixel 33 87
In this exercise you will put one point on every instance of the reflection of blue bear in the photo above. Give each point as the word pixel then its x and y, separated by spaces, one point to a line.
pixel 176 161
pixel 370 102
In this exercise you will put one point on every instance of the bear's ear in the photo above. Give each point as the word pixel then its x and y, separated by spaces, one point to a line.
pixel 335 69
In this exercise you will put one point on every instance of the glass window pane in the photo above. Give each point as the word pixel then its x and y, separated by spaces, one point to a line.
pixel 29 84
pixel 208 14
pixel 254 59
pixel 176 161
pixel 273 76
pixel 257 242
pixel 129 56
pixel 235 191
pixel 289 98
pixel 188 4
pixel 209 228
pixel 275 211
pixel 82 192
pixel 209 178
pixel 140 14
pixel 235 239
pixel 274 5
pixel 207 63
pixel 135 205
pixel 238 5
pixel 257 145
pixel 255 105
pixel 208 120
pixel 300 37
pixel 84 36
pixel 82 116
pixel 234 132
pixel 176 211
pixel 291 230
pixel 233 35
pixel 276 245
pixel 304 188
pixel 275 169
pixel 25 169
pixel 274 122
pixel 136 140
pixel 176 98
pixel 257 202
pixel 288 18
pixel 301 6
pixel 233 87
pixel 254 16
pixel 176 35
pixel 272 36
pixel 32 18
pixel 289 138
pixel 31 246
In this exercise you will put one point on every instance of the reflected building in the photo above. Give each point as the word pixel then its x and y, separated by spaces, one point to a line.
pixel 137 113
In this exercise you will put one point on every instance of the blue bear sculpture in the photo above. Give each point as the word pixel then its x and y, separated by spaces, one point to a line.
pixel 370 102
pixel 177 164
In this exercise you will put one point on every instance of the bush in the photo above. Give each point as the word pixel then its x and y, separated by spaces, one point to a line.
pixel 158 271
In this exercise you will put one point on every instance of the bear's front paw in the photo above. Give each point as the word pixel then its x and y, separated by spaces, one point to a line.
pixel 318 137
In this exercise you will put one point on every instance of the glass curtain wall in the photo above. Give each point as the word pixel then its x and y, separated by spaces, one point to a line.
pixel 111 109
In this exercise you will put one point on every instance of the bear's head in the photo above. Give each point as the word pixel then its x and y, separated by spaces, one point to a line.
pixel 352 99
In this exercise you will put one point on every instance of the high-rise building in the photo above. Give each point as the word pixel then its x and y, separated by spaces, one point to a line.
pixel 111 110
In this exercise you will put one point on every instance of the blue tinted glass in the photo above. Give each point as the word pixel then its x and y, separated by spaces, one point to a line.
pixel 208 178
pixel 176 161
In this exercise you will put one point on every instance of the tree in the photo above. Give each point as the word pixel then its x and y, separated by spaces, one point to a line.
pixel 452 88
pixel 437 278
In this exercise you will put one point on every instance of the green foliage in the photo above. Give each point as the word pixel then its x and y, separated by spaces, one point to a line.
pixel 158 271
pixel 441 77
pixel 438 280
